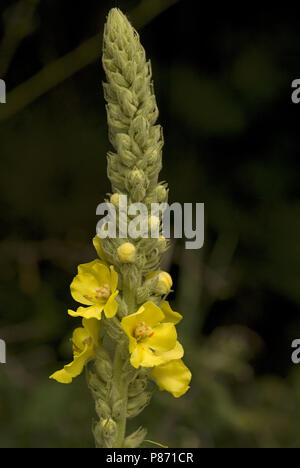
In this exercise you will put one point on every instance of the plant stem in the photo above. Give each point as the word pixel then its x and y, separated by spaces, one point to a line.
pixel 120 387
pixel 63 68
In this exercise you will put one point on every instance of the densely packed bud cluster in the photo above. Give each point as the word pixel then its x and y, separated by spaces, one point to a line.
pixel 131 111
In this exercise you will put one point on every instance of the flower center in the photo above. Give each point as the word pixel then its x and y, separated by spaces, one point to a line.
pixel 104 292
pixel 142 331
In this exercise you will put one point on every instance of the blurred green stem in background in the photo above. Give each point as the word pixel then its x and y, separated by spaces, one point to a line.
pixel 19 22
pixel 66 66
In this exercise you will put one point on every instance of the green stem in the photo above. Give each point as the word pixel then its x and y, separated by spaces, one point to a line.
pixel 63 68
pixel 129 297
pixel 120 388
pixel 120 385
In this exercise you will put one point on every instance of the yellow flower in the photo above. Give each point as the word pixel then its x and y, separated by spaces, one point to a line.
pixel 174 377
pixel 127 252
pixel 152 340
pixel 99 250
pixel 84 341
pixel 95 286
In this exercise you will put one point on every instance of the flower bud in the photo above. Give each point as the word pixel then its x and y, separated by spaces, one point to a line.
pixel 152 156
pixel 164 283
pixel 128 158
pixel 137 386
pixel 103 369
pixel 135 439
pixel 138 403
pixel 153 226
pixel 93 382
pixel 161 243
pixel 161 193
pixel 97 431
pixel 109 427
pixel 137 184
pixel 114 199
pixel 136 177
pixel 117 409
pixel 102 409
pixel 127 252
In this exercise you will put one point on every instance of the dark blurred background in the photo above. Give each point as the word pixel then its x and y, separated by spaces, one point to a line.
pixel 223 85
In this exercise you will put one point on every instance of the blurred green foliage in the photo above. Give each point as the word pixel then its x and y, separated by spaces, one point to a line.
pixel 223 88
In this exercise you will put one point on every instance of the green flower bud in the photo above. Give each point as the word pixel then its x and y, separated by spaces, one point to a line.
pixel 137 386
pixel 162 244
pixel 109 427
pixel 117 409
pixel 138 403
pixel 102 409
pixel 135 439
pixel 103 369
pixel 161 194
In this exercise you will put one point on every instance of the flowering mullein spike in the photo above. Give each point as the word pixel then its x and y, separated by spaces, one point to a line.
pixel 122 293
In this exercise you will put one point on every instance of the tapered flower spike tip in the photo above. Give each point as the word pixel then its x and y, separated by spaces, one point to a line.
pixel 117 19
pixel 117 24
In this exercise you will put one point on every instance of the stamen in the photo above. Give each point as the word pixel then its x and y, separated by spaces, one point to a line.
pixel 90 298
pixel 143 331
pixel 103 292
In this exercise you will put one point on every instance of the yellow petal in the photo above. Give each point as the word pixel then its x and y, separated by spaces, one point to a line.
pixel 113 279
pixel 102 273
pixel 136 355
pixel 176 353
pixel 150 313
pixel 61 376
pixel 87 268
pixel 78 338
pixel 143 356
pixel 98 247
pixel 152 274
pixel 93 311
pixel 76 367
pixel 111 307
pixel 92 327
pixel 83 288
pixel 130 323
pixel 170 315
pixel 164 338
pixel 174 377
